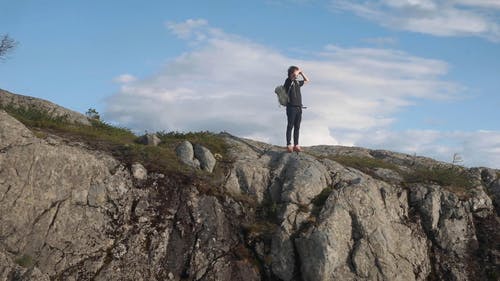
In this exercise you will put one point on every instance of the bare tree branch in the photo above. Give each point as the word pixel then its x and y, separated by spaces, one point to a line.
pixel 7 44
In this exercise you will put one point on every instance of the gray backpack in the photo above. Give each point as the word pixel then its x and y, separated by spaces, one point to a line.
pixel 282 94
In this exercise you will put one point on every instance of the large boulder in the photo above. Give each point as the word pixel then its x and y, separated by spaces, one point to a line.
pixel 205 157
pixel 196 156
pixel 149 139
pixel 185 153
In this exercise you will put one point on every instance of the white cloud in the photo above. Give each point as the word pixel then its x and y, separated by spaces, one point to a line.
pixel 381 41
pixel 185 29
pixel 477 148
pixel 436 17
pixel 227 84
pixel 125 78
pixel 492 4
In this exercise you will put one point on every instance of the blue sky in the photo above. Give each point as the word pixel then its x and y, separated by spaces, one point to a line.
pixel 412 76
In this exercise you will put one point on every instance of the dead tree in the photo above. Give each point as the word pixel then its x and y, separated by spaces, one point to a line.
pixel 7 44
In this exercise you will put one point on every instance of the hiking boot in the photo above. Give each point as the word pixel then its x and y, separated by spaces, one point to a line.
pixel 297 148
pixel 289 148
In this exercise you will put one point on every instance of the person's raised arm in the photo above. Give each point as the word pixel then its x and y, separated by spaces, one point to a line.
pixel 304 76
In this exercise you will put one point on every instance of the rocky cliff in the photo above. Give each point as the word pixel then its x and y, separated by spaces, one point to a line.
pixel 69 211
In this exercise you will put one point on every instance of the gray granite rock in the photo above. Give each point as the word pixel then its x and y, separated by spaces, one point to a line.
pixel 139 172
pixel 149 139
pixel 185 153
pixel 205 157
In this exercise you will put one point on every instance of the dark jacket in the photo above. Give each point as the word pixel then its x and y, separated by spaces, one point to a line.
pixel 295 97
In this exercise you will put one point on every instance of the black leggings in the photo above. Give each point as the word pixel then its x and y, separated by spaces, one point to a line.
pixel 294 116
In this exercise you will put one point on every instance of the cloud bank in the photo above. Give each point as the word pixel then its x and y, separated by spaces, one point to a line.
pixel 436 17
pixel 226 83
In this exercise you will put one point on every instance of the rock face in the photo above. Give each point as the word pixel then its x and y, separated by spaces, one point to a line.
pixel 363 232
pixel 16 100
pixel 371 226
pixel 70 213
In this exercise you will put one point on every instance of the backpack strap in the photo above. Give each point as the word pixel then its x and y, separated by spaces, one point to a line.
pixel 290 88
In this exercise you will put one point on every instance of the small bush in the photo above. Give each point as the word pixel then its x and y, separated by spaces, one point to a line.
pixel 93 114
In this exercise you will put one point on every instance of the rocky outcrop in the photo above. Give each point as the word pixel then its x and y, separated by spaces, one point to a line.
pixel 78 214
pixel 71 213
pixel 370 226
pixel 54 110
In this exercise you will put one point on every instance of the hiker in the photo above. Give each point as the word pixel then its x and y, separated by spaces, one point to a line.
pixel 294 106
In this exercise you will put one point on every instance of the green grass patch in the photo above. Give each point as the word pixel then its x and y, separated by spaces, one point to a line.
pixel 121 142
pixel 32 116
pixel 363 163
pixel 453 178
pixel 39 134
pixel 25 261
pixel 99 130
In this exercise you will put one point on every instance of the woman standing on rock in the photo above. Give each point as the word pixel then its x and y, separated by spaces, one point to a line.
pixel 294 106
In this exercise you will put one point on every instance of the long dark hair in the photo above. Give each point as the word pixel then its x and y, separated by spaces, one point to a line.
pixel 291 69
